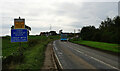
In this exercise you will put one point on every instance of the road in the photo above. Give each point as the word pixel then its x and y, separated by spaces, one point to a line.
pixel 74 56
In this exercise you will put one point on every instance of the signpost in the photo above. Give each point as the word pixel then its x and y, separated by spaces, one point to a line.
pixel 19 35
pixel 19 23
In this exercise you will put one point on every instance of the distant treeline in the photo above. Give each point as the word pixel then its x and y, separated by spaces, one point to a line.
pixel 108 31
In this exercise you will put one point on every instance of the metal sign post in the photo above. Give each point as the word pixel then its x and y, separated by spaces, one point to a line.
pixel 20 49
pixel 19 33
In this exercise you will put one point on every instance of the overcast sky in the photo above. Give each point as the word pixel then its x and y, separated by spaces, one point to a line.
pixel 61 14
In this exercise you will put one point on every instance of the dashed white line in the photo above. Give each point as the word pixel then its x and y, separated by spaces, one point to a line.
pixel 94 58
pixel 97 59
pixel 91 58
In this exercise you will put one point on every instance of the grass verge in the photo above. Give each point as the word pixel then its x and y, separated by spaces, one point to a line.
pixel 33 52
pixel 34 57
pixel 100 45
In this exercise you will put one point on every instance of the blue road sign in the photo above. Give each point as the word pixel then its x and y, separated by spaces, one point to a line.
pixel 19 35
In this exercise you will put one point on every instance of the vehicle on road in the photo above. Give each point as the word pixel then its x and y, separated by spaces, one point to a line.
pixel 64 37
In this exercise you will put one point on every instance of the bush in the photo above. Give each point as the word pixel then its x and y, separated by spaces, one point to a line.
pixel 15 59
pixel 32 42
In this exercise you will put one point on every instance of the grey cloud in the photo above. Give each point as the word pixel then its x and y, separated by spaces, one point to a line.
pixel 99 9
pixel 76 24
pixel 87 13
pixel 119 8
pixel 33 19
pixel 37 30
pixel 90 12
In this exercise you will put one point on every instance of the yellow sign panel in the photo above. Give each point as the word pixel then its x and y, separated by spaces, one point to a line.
pixel 19 23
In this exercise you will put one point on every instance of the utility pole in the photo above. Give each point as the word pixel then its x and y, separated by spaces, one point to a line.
pixel 74 32
pixel 79 30
pixel 50 27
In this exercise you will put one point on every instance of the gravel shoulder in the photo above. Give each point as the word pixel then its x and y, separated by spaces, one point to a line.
pixel 49 62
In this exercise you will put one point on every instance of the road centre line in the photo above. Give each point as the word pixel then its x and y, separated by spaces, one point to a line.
pixel 82 52
pixel 97 59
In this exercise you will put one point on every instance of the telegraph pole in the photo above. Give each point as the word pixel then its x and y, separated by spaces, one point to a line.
pixel 50 27
pixel 74 32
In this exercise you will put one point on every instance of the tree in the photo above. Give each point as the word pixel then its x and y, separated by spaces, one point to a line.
pixel 108 31
pixel 87 32
pixel 60 31
pixel 52 33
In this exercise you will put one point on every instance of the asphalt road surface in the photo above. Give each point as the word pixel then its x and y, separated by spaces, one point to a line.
pixel 74 56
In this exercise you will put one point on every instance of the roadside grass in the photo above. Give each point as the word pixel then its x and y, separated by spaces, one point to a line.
pixel 34 57
pixel 9 48
pixel 100 45
pixel 33 52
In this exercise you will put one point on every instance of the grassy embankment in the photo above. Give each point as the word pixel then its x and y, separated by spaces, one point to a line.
pixel 99 45
pixel 33 52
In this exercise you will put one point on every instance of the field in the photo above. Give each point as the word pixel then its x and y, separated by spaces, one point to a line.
pixel 32 52
pixel 100 45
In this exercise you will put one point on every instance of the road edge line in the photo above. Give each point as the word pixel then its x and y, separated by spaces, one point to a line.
pixel 58 63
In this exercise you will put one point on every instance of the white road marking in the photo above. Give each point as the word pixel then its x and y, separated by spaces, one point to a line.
pixel 55 48
pixel 57 56
pixel 90 57
pixel 54 45
pixel 60 53
pixel 97 59
pixel 58 61
pixel 104 63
